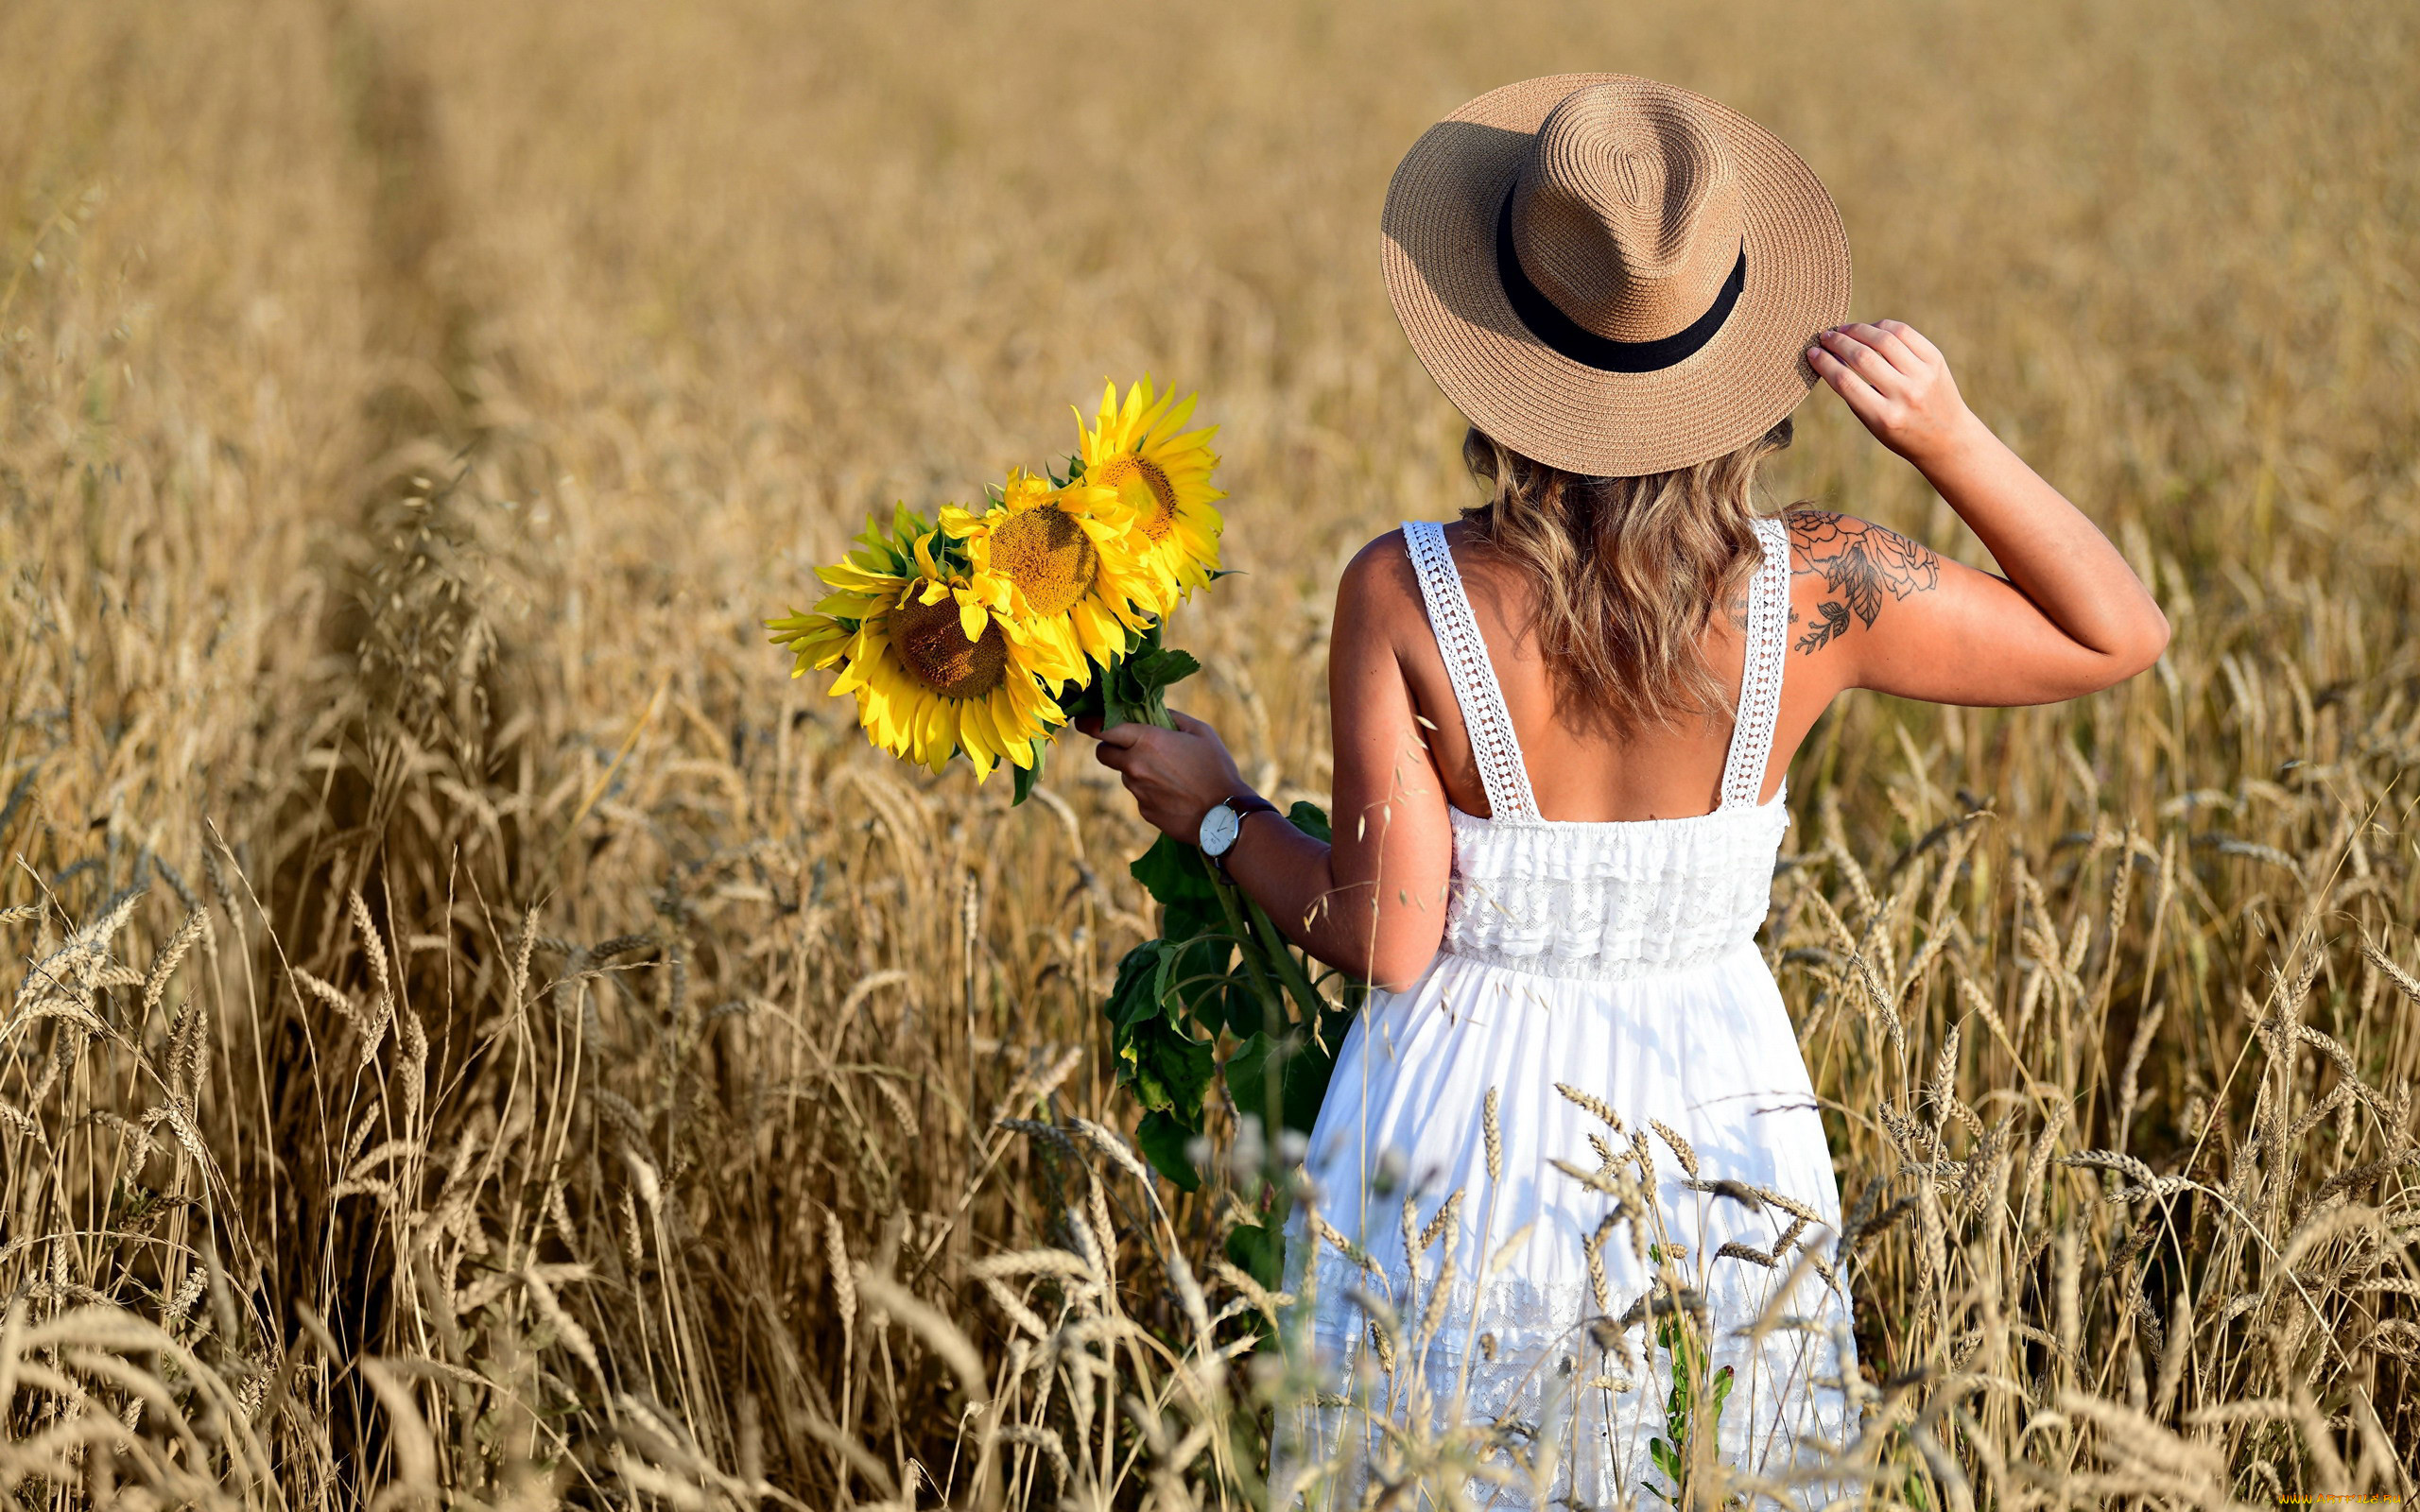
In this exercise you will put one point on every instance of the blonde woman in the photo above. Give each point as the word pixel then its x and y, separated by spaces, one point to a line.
pixel 1562 727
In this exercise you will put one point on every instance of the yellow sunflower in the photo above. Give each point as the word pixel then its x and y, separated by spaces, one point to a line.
pixel 1161 471
pixel 1063 561
pixel 935 669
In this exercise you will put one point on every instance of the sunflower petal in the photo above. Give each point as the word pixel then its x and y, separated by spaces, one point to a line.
pixel 1175 414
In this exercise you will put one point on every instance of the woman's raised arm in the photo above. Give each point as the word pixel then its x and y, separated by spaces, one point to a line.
pixel 2069 618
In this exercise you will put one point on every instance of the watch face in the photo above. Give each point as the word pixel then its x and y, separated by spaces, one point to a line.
pixel 1219 829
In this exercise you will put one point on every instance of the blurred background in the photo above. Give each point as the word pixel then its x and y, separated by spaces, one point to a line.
pixel 409 408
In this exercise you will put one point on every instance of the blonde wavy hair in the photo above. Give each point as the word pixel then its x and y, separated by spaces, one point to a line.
pixel 1626 572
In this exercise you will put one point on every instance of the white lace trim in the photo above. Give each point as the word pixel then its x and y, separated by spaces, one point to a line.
pixel 1599 968
pixel 1767 638
pixel 1612 901
pixel 1474 677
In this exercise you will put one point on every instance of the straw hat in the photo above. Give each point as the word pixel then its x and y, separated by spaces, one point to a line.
pixel 1610 275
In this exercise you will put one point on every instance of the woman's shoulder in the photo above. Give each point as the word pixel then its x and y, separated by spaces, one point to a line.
pixel 1846 573
pixel 1381 569
pixel 1386 561
pixel 1378 591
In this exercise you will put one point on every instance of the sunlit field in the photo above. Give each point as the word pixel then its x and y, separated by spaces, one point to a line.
pixel 486 1037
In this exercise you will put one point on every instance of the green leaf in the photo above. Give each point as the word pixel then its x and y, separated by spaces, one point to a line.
pixel 1025 779
pixel 1246 1014
pixel 1169 1069
pixel 1666 1460
pixel 1203 985
pixel 1129 997
pixel 1161 979
pixel 1258 1252
pixel 1161 669
pixel 1201 988
pixel 1122 700
pixel 1085 701
pixel 1163 975
pixel 1311 819
pixel 1286 1075
pixel 1117 709
pixel 1196 918
pixel 1256 1085
pixel 1915 1488
pixel 1171 873
pixel 1134 691
pixel 1164 1140
pixel 1307 1071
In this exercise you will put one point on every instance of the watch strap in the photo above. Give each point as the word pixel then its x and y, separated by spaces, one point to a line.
pixel 1243 808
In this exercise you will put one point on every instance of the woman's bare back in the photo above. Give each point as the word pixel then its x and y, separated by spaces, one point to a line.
pixel 1580 768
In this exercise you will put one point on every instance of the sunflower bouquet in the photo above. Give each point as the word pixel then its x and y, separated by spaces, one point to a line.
pixel 984 632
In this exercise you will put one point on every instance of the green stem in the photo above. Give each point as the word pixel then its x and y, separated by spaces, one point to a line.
pixel 1247 948
pixel 1287 970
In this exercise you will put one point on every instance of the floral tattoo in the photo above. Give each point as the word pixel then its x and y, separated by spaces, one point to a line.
pixel 1859 563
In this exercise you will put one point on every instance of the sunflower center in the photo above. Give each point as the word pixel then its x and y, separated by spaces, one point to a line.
pixel 1143 487
pixel 1047 555
pixel 938 655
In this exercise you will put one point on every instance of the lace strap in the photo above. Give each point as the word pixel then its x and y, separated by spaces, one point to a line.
pixel 1474 686
pixel 1768 637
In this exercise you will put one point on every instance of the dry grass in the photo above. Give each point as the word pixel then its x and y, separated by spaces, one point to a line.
pixel 486 1038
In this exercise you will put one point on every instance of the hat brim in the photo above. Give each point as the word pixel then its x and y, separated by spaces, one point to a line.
pixel 1439 227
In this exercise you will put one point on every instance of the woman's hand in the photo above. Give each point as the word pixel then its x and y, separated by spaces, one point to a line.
pixel 1175 775
pixel 1898 384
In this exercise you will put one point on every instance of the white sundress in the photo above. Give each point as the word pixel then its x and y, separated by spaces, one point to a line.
pixel 1618 958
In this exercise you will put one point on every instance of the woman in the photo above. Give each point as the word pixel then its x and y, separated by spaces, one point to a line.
pixel 1561 729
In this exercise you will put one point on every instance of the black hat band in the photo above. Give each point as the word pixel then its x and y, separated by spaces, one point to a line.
pixel 1562 333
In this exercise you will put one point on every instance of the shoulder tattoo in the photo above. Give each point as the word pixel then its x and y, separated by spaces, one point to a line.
pixel 1861 564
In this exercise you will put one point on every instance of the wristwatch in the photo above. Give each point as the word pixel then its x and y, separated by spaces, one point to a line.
pixel 1224 822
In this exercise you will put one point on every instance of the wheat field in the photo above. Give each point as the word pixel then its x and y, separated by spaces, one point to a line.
pixel 486 1038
